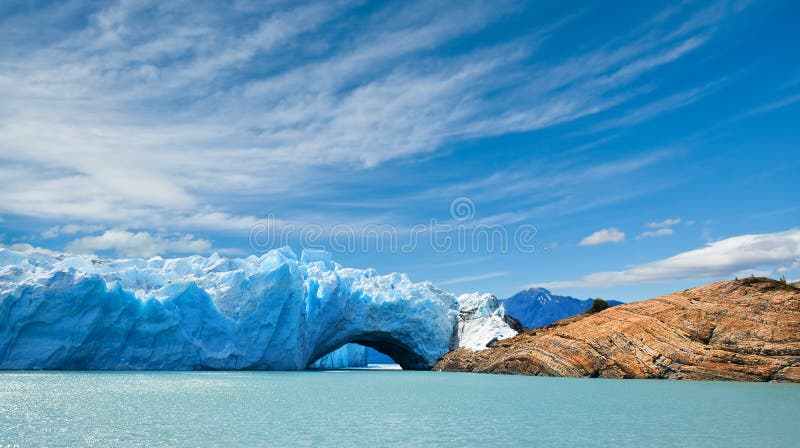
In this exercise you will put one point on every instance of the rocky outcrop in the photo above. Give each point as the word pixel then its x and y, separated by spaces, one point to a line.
pixel 743 330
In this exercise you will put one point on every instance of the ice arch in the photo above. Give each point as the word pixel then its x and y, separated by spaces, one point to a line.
pixel 385 342
pixel 273 312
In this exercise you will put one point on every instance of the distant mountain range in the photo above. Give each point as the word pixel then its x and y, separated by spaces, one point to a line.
pixel 537 307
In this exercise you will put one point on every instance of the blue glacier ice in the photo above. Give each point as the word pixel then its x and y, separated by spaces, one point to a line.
pixel 348 355
pixel 274 312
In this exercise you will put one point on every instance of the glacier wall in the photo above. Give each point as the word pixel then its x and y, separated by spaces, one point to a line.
pixel 348 355
pixel 274 312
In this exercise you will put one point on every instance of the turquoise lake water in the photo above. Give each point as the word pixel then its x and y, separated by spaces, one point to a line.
pixel 379 408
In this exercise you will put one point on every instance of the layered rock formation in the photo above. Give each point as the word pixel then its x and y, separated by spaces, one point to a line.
pixel 744 330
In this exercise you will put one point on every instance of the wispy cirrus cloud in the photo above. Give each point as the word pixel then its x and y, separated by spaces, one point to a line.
pixel 773 105
pixel 556 188
pixel 654 109
pixel 472 278
pixel 148 111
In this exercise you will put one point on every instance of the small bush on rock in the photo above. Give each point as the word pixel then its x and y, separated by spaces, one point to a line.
pixel 598 305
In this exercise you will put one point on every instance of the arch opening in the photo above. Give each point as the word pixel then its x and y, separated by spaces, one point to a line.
pixel 384 343
pixel 377 358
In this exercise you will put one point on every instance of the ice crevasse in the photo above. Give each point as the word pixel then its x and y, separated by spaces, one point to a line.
pixel 274 312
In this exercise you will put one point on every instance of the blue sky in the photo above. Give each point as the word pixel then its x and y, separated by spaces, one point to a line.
pixel 652 147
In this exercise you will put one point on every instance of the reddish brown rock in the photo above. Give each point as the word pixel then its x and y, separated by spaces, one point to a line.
pixel 744 330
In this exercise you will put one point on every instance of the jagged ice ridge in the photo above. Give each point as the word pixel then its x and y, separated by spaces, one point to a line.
pixel 274 312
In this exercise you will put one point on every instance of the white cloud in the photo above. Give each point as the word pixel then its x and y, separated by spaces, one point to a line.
pixel 664 231
pixel 661 228
pixel 603 236
pixel 139 244
pixel 272 103
pixel 669 222
pixel 27 248
pixel 718 259
pixel 71 229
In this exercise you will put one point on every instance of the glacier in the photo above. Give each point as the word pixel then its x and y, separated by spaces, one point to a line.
pixel 273 312
pixel 348 355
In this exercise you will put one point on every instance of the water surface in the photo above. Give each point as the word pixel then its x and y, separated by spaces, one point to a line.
pixel 378 408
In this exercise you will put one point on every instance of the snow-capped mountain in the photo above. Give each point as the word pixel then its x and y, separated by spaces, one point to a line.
pixel 537 307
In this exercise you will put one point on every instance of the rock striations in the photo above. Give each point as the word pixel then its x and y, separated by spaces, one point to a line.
pixel 743 330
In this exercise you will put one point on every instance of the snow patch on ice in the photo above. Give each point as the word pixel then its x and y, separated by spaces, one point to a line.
pixel 481 320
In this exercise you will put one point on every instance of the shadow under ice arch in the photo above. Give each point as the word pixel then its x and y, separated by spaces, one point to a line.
pixel 386 343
